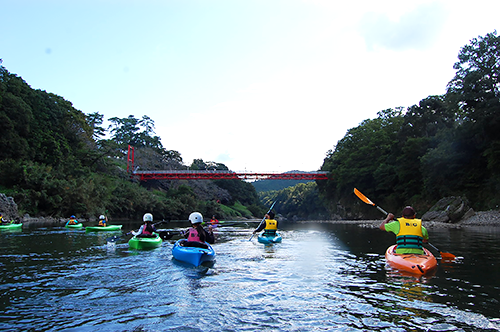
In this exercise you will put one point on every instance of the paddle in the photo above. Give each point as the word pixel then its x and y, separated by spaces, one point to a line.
pixel 263 219
pixel 367 201
pixel 445 255
pixel 167 235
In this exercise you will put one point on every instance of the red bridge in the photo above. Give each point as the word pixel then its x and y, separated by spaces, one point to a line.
pixel 216 175
pixel 226 175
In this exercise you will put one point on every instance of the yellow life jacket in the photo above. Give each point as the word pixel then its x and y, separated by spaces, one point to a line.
pixel 271 225
pixel 410 233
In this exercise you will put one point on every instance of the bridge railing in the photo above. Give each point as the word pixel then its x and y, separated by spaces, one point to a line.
pixel 226 175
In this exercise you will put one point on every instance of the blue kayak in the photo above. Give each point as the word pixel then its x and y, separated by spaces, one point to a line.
pixel 194 253
pixel 269 239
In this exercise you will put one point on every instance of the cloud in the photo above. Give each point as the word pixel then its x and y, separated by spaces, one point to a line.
pixel 417 29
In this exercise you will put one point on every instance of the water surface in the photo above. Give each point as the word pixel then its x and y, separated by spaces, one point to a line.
pixel 322 277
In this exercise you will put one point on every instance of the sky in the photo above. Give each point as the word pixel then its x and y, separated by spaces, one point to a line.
pixel 258 85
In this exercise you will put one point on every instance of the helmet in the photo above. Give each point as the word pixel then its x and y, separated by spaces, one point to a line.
pixel 72 217
pixel 196 218
pixel 102 216
pixel 147 217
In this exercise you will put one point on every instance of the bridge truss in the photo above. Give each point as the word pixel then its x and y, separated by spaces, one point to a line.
pixel 216 175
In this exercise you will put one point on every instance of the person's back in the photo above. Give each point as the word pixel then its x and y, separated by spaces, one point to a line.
pixel 410 234
pixel 147 228
pixel 196 232
pixel 72 221
pixel 103 221
pixel 271 225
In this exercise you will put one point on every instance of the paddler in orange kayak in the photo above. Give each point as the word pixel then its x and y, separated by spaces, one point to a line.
pixel 410 234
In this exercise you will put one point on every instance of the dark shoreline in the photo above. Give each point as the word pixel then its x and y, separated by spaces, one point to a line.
pixel 483 218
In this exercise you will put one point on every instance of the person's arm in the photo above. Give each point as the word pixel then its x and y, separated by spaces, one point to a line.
pixel 261 227
pixel 138 232
pixel 389 218
pixel 425 233
pixel 209 235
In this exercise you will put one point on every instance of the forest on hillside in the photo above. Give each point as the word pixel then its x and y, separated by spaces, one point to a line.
pixel 447 145
pixel 56 160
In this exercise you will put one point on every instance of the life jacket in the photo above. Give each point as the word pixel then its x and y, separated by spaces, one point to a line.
pixel 271 227
pixel 147 229
pixel 102 223
pixel 410 233
pixel 194 235
pixel 72 222
pixel 214 221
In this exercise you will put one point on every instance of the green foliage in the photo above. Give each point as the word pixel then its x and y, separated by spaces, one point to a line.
pixel 444 146
pixel 268 185
pixel 299 202
pixel 240 191
pixel 55 162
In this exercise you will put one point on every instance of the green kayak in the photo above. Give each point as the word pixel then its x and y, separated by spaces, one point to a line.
pixel 145 242
pixel 11 226
pixel 79 225
pixel 103 228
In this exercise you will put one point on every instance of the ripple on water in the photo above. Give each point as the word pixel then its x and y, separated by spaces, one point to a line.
pixel 313 281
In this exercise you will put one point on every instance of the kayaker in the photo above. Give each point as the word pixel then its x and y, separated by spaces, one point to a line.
pixel 214 220
pixel 103 221
pixel 197 233
pixel 410 234
pixel 72 221
pixel 147 228
pixel 270 226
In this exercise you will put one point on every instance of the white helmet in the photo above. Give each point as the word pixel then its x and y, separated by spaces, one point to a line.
pixel 196 218
pixel 147 217
pixel 102 217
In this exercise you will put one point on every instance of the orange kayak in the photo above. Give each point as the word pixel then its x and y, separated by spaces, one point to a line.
pixel 413 263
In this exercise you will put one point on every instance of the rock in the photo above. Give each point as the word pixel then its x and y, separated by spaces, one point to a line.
pixel 437 216
pixel 449 210
pixel 8 207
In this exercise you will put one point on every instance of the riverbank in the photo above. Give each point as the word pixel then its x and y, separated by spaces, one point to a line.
pixel 482 218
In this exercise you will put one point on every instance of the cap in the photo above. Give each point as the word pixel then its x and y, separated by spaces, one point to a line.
pixel 409 212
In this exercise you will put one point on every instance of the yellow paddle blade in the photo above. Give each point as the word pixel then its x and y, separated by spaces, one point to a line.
pixel 363 197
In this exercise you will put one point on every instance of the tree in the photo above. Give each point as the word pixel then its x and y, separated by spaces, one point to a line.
pixel 476 85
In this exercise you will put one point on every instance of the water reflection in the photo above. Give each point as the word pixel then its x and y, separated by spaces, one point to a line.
pixel 328 277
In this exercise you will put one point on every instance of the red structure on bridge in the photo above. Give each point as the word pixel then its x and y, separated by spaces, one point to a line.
pixel 226 175
pixel 216 175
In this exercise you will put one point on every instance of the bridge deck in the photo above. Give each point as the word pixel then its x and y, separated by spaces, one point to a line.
pixel 226 175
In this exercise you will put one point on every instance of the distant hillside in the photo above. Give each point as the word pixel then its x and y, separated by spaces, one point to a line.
pixel 268 185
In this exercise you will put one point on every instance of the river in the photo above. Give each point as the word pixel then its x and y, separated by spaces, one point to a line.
pixel 322 277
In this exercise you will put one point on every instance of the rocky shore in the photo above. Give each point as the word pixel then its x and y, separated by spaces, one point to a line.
pixel 483 218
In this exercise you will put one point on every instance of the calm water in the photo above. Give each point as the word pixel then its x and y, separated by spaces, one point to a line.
pixel 322 277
